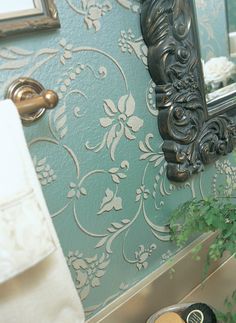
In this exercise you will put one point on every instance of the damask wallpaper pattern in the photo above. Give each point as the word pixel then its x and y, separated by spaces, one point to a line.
pixel 98 154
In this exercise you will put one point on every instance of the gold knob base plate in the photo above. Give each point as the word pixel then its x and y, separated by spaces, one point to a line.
pixel 22 89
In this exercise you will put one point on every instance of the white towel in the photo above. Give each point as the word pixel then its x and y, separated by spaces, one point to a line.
pixel 36 285
pixel 25 237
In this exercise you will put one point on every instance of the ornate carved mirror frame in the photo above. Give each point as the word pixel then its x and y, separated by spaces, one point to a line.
pixel 194 133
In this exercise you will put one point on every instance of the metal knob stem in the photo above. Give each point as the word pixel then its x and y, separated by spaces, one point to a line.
pixel 47 100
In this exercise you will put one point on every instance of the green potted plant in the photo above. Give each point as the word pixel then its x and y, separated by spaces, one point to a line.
pixel 213 214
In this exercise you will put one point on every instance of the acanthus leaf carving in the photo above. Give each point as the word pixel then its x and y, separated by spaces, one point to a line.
pixel 192 137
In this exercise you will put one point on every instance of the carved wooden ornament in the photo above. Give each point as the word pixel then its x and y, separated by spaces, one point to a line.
pixel 194 134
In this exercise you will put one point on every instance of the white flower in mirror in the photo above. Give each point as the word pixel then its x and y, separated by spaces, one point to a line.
pixel 217 70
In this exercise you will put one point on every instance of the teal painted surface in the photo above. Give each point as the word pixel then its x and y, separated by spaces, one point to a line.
pixel 98 155
pixel 213 30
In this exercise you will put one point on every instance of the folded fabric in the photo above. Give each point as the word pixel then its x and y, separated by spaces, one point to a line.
pixel 40 289
pixel 25 237
pixel 43 294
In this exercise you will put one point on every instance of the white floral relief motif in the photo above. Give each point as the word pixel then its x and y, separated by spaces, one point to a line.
pixel 117 172
pixel 167 255
pixel 133 5
pixel 115 229
pixel 128 43
pixel 109 202
pixel 60 121
pixel 142 255
pixel 73 73
pixel 44 171
pixel 88 271
pixel 121 121
pixel 93 11
pixel 162 187
pixel 148 153
pixel 66 88
pixel 225 168
pixel 151 99
pixel 67 50
pixel 142 193
pixel 17 59
pixel 76 191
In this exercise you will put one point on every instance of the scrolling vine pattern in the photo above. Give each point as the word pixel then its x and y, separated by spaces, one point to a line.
pixel 119 121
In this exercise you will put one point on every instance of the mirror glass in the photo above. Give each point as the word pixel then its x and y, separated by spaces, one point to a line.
pixel 15 8
pixel 15 5
pixel 231 18
pixel 217 32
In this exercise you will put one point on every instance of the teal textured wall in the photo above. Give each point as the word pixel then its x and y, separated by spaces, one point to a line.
pixel 98 154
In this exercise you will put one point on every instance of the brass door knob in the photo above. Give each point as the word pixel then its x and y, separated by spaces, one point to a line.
pixel 31 99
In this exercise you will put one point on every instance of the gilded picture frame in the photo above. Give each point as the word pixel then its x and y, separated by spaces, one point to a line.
pixel 43 16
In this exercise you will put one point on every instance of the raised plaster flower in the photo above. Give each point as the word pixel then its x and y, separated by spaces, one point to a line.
pixel 121 121
pixel 110 201
pixel 142 192
pixel 225 168
pixel 126 40
pixel 122 115
pixel 142 256
pixel 218 69
pixel 128 43
pixel 94 11
pixel 67 53
pixel 76 190
pixel 88 271
pixel 44 171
